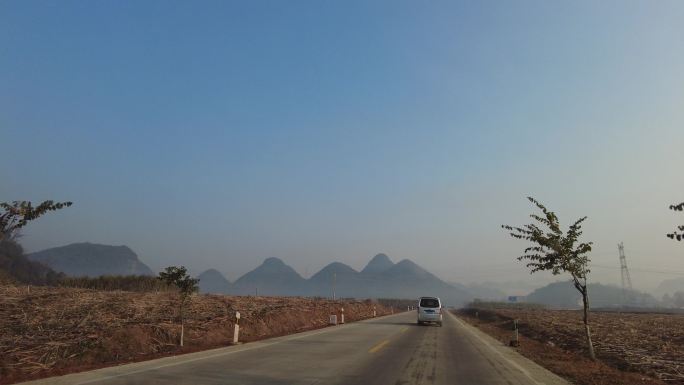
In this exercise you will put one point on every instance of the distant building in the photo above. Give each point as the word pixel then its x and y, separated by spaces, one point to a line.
pixel 516 298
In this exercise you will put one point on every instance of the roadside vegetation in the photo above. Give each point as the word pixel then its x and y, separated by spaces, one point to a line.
pixel 642 347
pixel 558 252
pixel 50 331
pixel 478 304
pixel 185 285
pixel 397 304
pixel 631 348
pixel 137 283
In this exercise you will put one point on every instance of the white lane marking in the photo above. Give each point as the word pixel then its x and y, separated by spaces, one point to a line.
pixel 492 348
pixel 257 345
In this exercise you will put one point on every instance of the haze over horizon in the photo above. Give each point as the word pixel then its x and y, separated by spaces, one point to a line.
pixel 220 134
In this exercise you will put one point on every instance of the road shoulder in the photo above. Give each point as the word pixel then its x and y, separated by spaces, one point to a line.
pixel 537 374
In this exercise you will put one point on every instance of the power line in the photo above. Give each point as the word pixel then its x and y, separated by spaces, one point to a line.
pixel 670 272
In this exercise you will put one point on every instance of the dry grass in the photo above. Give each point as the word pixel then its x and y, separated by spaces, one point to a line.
pixel 638 343
pixel 59 330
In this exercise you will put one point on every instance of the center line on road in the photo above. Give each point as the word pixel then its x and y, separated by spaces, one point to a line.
pixel 379 346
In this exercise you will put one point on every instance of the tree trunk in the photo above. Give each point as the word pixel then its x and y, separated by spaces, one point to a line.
pixel 585 302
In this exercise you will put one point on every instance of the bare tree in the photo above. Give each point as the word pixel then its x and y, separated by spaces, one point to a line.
pixel 558 252
pixel 675 235
pixel 186 285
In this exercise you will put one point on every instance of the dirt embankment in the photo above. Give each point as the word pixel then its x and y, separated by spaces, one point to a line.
pixel 51 331
pixel 631 348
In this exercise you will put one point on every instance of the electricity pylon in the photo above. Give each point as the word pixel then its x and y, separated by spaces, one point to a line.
pixel 626 280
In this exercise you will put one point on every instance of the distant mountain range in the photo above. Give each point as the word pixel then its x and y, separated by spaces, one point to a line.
pixel 90 259
pixel 381 278
pixel 670 286
pixel 564 295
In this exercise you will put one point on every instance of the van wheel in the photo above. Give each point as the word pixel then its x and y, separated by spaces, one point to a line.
pixel 419 323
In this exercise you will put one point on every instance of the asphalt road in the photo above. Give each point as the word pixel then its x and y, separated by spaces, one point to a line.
pixel 390 350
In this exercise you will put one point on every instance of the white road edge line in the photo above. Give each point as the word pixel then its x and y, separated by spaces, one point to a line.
pixel 495 350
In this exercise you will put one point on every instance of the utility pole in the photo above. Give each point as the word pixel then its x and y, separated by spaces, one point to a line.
pixel 333 284
pixel 624 272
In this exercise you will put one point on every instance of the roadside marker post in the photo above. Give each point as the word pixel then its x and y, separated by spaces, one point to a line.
pixel 515 342
pixel 342 315
pixel 374 312
pixel 236 332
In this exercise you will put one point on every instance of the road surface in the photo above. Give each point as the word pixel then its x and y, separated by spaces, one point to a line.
pixel 390 350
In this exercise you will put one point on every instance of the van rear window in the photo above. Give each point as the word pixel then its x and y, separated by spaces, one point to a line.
pixel 429 302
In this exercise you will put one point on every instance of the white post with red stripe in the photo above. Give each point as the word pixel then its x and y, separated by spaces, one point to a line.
pixel 236 331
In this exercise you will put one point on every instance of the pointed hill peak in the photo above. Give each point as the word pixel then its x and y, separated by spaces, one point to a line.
pixel 272 277
pixel 378 264
pixel 212 281
pixel 408 263
pixel 274 268
pixel 338 267
pixel 275 265
pixel 211 273
pixel 406 268
pixel 273 261
pixel 382 257
pixel 334 268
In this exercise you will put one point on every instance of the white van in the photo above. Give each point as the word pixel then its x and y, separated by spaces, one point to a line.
pixel 429 310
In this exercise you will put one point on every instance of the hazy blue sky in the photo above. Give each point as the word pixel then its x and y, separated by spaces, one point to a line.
pixel 215 134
